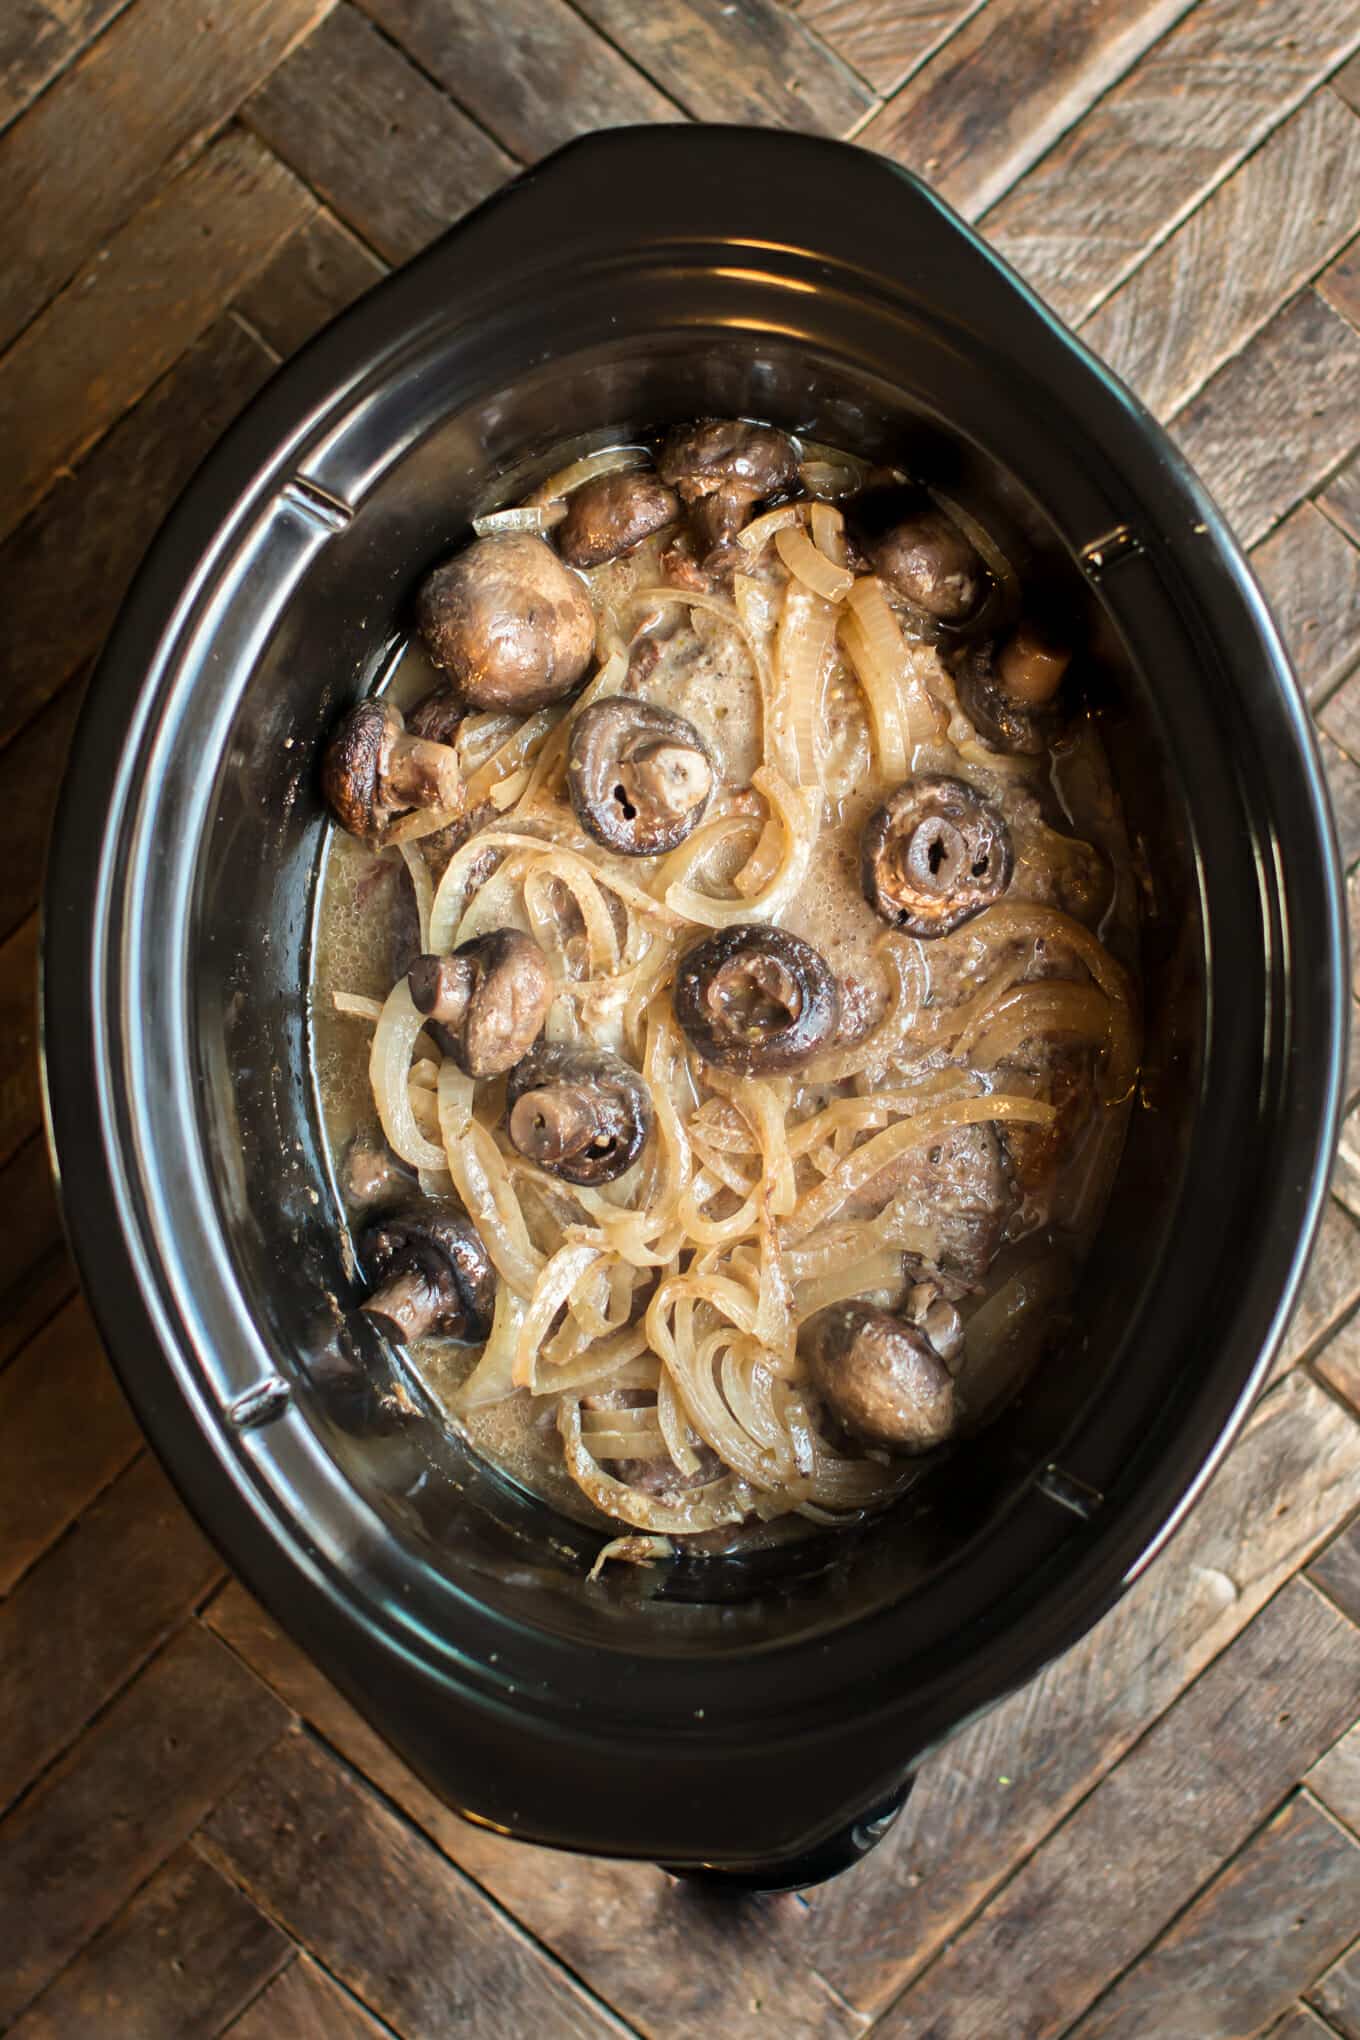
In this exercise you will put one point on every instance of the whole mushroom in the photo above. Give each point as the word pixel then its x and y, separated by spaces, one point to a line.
pixel 756 999
pixel 639 776
pixel 582 1114
pixel 438 715
pixel 918 550
pixel 432 1276
pixel 373 771
pixel 880 1376
pixel 750 461
pixel 489 998
pixel 1009 692
pixel 612 515
pixel 933 855
pixel 508 623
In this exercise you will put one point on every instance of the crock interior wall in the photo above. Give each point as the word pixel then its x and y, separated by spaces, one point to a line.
pixel 256 896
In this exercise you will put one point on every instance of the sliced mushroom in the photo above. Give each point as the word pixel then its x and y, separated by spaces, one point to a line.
pixel 748 461
pixel 612 515
pixel 880 1377
pixel 933 855
pixel 919 551
pixel 756 999
pixel 508 623
pixel 1009 692
pixel 372 771
pixel 489 998
pixel 639 776
pixel 582 1114
pixel 432 1276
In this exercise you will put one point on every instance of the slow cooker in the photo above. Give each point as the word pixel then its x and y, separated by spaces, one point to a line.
pixel 757 1719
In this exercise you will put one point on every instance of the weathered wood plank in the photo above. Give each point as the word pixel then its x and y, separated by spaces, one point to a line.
pixel 885 40
pixel 1340 284
pixel 1341 500
pixel 1338 1363
pixel 1284 1908
pixel 1331 1286
pixel 1346 1174
pixel 1273 421
pixel 54 164
pixel 91 1611
pixel 380 144
pixel 1346 83
pixel 30 779
pixel 316 274
pixel 1301 2024
pixel 1293 1476
pixel 19 1106
pixel 65 1433
pixel 1186 1797
pixel 182 1957
pixel 1343 785
pixel 314 1847
pixel 1336 1570
pixel 1337 1996
pixel 1340 716
pixel 36 1272
pixel 36 40
pixel 1335 1779
pixel 135 308
pixel 739 60
pixel 1195 106
pixel 134 1787
pixel 1003 89
pixel 1201 295
pixel 544 77
pixel 304 2004
pixel 1310 574
pixel 670 1962
pixel 104 516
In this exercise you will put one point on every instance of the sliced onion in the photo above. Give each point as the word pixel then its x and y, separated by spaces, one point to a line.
pixel 640 1550
pixel 803 649
pixel 356 1006
pixel 758 533
pixel 492 1379
pixel 881 1269
pixel 611 461
pixel 828 532
pixel 556 1281
pixel 811 567
pixel 389 1064
pixel 795 811
pixel 515 751
pixel 526 517
pixel 707 1508
pixel 423 887
pixel 902 712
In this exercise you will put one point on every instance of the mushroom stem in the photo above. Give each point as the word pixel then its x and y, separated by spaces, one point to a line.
pixel 418 773
pixel 407 1305
pixel 1030 666
pixel 556 1125
pixel 671 777
pixel 441 987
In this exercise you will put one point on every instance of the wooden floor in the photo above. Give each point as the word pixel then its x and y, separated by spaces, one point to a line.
pixel 1161 1837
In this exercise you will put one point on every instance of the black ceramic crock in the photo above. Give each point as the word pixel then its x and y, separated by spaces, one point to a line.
pixel 750 1716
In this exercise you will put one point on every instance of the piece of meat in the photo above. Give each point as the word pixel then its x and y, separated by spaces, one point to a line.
pixel 947 1204
pixel 656 1477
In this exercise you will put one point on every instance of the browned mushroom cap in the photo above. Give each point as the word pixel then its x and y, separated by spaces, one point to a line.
pixel 432 1276
pixel 612 514
pixel 372 771
pixel 582 1114
pixel 918 550
pixel 639 776
pixel 489 998
pixel 508 623
pixel 880 1376
pixel 437 716
pixel 1009 693
pixel 750 461
pixel 934 855
pixel 756 999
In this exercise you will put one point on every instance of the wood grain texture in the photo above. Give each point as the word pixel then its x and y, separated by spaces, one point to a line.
pixel 1285 1907
pixel 30 778
pixel 738 60
pixel 375 138
pixel 991 1794
pixel 1337 1996
pixel 885 40
pixel 304 2004
pixel 19 1106
pixel 65 1433
pixel 136 307
pixel 962 122
pixel 1335 1780
pixel 82 1620
pixel 1340 500
pixel 1340 716
pixel 1331 1286
pixel 182 1957
pixel 36 1272
pixel 1275 420
pixel 1346 83
pixel 1338 1364
pixel 1201 295
pixel 55 165
pixel 1336 1570
pixel 672 1961
pixel 1343 788
pixel 317 1849
pixel 1310 575
pixel 1184 1799
pixel 36 40
pixel 1340 284
pixel 316 274
pixel 1159 141
pixel 132 1790
pixel 1346 1172
pixel 1302 2024
pixel 544 77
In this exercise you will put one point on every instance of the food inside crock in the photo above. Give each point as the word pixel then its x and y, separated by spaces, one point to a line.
pixel 726 1151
